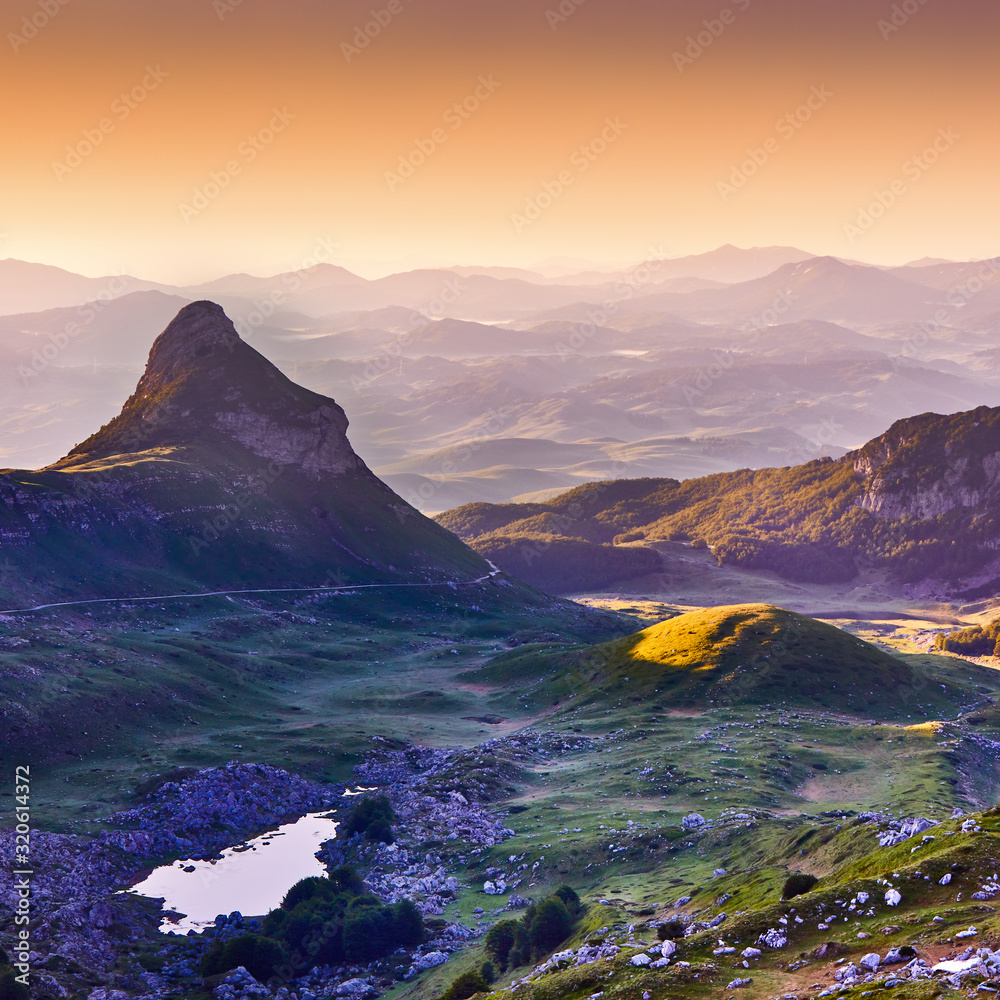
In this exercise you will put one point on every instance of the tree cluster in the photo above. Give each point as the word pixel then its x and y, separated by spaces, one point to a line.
pixel 544 926
pixel 321 921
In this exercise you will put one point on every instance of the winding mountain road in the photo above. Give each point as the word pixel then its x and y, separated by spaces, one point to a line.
pixel 494 570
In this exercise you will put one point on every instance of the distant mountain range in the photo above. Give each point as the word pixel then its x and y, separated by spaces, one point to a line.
pixel 677 368
pixel 919 506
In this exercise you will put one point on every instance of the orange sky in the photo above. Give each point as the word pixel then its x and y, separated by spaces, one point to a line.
pixel 505 182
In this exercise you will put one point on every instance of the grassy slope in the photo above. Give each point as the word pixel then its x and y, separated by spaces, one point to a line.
pixel 802 522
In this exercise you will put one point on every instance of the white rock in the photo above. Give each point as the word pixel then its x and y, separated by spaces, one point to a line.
pixel 893 898
pixel 667 948
pixel 944 879
pixel 640 959
pixel 751 953
pixel 871 961
pixel 955 966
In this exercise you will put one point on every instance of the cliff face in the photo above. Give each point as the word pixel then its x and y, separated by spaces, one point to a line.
pixel 204 385
pixel 929 465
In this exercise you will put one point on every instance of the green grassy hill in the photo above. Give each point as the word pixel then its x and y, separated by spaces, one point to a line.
pixel 749 654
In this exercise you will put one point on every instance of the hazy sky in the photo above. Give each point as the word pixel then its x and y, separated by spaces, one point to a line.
pixel 187 139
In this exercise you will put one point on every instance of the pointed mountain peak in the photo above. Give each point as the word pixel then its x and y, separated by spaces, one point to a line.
pixel 199 330
pixel 205 389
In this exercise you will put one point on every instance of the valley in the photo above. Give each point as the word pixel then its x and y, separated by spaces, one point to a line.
pixel 220 619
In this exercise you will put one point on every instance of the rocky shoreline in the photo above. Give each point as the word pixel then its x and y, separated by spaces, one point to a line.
pixel 87 933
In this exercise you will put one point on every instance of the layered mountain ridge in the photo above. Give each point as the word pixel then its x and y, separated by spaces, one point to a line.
pixel 919 505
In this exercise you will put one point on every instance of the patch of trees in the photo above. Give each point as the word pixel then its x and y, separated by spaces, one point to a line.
pixel 372 817
pixel 976 640
pixel 321 921
pixel 544 926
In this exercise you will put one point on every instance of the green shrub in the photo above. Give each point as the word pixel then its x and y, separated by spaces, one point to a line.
pixel 465 986
pixel 796 885
pixel 259 955
pixel 570 900
pixel 500 940
pixel 550 925
pixel 373 818
pixel 670 930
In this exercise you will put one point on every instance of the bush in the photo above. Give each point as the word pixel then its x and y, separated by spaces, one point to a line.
pixel 10 988
pixel 373 818
pixel 570 900
pixel 550 925
pixel 333 919
pixel 488 972
pixel 467 984
pixel 499 941
pixel 670 930
pixel 796 885
pixel 259 955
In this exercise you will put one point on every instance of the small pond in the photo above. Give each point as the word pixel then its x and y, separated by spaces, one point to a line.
pixel 252 877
